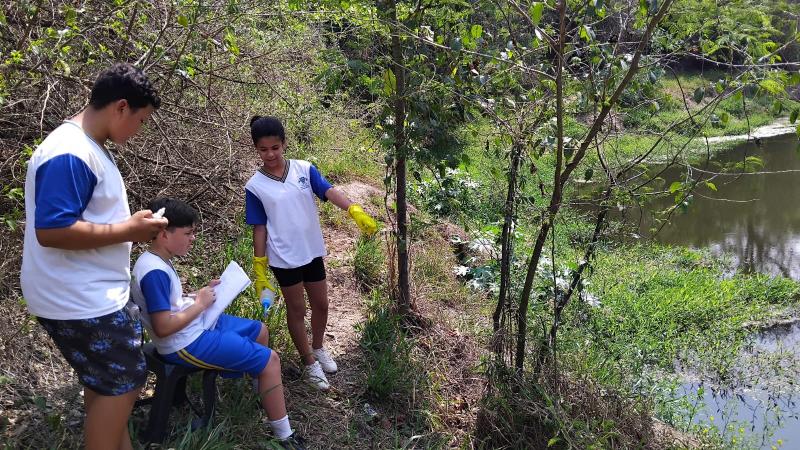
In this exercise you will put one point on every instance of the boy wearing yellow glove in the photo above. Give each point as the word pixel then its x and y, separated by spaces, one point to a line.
pixel 287 237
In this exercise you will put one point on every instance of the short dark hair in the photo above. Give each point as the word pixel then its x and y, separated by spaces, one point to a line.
pixel 261 126
pixel 123 81
pixel 178 212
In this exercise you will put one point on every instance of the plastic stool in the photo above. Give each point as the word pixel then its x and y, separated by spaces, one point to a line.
pixel 171 391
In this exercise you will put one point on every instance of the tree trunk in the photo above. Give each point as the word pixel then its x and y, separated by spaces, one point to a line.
pixel 561 176
pixel 506 244
pixel 403 292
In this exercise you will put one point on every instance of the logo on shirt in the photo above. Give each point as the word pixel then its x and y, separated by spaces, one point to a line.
pixel 303 182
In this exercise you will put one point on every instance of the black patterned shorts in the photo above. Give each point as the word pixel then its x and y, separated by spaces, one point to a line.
pixel 105 351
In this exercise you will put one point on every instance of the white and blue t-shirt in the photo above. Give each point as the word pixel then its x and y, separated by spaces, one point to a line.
pixel 286 206
pixel 155 288
pixel 70 178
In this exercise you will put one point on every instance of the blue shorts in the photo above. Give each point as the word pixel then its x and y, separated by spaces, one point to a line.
pixel 230 347
pixel 105 351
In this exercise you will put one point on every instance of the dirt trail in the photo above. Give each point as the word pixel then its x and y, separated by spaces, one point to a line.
pixel 41 403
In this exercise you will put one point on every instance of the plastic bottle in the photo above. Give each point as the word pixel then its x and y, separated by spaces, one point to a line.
pixel 267 296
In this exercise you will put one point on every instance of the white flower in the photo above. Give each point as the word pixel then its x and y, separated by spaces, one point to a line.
pixel 460 270
pixel 592 300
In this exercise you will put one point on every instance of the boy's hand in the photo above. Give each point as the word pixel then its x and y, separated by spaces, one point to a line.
pixel 142 227
pixel 365 223
pixel 260 264
pixel 206 296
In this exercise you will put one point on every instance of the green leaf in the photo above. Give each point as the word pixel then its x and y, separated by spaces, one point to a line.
pixel 183 20
pixel 711 186
pixel 794 80
pixel 793 115
pixel 553 441
pixel 724 118
pixel 777 107
pixel 70 16
pixel 586 33
pixel 588 175
pixel 535 11
pixel 771 86
pixel 476 31
pixel 675 187
pixel 3 20
pixel 698 95
pixel 456 45
pixel 389 82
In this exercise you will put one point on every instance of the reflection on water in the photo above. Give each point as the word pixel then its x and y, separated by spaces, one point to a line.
pixel 753 218
pixel 763 408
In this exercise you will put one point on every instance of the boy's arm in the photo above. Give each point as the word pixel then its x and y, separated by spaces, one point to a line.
pixel 63 187
pixel 82 235
pixel 165 323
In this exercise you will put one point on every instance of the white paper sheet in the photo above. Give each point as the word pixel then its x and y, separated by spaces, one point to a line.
pixel 233 281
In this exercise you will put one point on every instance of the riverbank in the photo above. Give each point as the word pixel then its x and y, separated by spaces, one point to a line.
pixel 780 127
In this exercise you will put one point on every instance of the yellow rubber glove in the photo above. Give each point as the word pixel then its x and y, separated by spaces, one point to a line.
pixel 260 264
pixel 365 223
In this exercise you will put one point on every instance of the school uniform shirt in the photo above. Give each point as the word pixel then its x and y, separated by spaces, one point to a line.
pixel 71 177
pixel 155 288
pixel 286 206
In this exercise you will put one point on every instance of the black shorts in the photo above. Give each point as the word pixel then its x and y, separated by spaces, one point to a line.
pixel 105 351
pixel 311 272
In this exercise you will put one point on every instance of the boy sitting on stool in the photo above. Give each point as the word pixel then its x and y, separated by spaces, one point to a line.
pixel 175 322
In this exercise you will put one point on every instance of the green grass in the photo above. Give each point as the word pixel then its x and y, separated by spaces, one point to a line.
pixel 665 304
pixel 391 374
pixel 369 262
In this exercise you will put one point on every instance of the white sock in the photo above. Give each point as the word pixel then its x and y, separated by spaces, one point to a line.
pixel 281 428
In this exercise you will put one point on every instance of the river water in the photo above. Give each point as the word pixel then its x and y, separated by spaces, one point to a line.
pixel 755 220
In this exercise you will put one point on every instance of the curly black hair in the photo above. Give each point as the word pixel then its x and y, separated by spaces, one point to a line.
pixel 123 81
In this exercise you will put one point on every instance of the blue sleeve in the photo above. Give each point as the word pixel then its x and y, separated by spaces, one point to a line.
pixel 156 288
pixel 318 183
pixel 63 187
pixel 254 213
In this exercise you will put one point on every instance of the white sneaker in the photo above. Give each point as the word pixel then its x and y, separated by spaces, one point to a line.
pixel 325 360
pixel 316 376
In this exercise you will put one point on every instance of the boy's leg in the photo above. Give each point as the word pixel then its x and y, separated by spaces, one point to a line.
pixel 249 328
pixel 263 335
pixel 318 297
pixel 106 355
pixel 270 388
pixel 295 320
pixel 106 423
pixel 272 400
